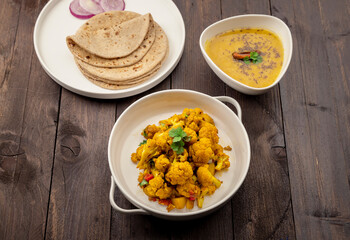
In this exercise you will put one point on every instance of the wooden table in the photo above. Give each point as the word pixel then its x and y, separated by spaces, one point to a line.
pixel 54 174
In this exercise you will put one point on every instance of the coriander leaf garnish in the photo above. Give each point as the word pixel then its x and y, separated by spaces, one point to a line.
pixel 145 133
pixel 143 142
pixel 179 138
pixel 255 57
pixel 248 57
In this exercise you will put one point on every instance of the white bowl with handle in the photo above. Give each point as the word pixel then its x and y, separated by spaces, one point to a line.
pixel 126 136
pixel 267 22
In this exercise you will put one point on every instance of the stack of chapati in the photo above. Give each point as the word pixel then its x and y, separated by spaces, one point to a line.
pixel 119 49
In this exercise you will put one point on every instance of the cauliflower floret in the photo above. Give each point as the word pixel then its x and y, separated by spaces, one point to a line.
pixel 192 134
pixel 162 140
pixel 153 186
pixel 179 173
pixel 141 176
pixel 193 126
pixel 192 118
pixel 157 188
pixel 201 152
pixel 162 163
pixel 205 178
pixel 204 191
pixel 137 156
pixel 183 157
pixel 188 189
pixel 208 130
pixel 217 148
pixel 149 131
pixel 198 111
pixel 149 150
pixel 164 192
pixel 174 121
pixel 222 161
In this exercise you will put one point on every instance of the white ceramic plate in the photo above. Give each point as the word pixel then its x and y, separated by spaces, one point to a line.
pixel 55 22
pixel 126 136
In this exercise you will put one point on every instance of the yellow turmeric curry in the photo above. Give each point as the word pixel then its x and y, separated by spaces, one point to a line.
pixel 179 158
pixel 251 56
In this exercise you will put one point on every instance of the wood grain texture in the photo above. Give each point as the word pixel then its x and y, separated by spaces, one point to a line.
pixel 337 34
pixel 262 208
pixel 312 99
pixel 193 72
pixel 54 174
pixel 28 111
pixel 79 205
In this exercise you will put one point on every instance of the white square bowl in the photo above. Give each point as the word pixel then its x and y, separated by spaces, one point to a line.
pixel 267 22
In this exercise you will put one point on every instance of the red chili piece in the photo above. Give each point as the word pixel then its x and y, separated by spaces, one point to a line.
pixel 165 202
pixel 148 177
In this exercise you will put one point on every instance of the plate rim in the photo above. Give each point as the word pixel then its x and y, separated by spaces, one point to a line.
pixel 113 94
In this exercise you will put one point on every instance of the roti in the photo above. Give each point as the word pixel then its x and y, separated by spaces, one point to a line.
pixel 114 39
pixel 152 58
pixel 119 49
pixel 130 81
pixel 132 58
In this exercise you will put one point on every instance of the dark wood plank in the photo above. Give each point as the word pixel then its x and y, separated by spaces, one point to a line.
pixel 315 101
pixel 28 114
pixel 79 205
pixel 193 72
pixel 262 208
pixel 338 46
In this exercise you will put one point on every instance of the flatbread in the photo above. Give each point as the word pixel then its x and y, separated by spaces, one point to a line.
pixel 130 81
pixel 115 40
pixel 117 86
pixel 104 83
pixel 106 20
pixel 97 61
pixel 152 58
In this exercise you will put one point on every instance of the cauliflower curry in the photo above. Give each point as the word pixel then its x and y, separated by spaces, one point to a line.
pixel 179 159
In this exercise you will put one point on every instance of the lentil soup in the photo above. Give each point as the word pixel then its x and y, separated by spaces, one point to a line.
pixel 251 56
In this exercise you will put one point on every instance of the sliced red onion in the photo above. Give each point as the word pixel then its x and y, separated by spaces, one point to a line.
pixel 78 11
pixel 91 6
pixel 110 5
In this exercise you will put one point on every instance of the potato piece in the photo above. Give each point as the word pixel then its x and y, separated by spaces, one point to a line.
pixel 189 204
pixel 170 207
pixel 179 202
pixel 200 201
pixel 211 168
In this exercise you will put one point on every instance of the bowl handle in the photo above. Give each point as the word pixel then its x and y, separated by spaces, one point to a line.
pixel 119 209
pixel 233 102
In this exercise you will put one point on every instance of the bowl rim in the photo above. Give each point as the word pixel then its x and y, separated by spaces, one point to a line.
pixel 280 75
pixel 176 215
